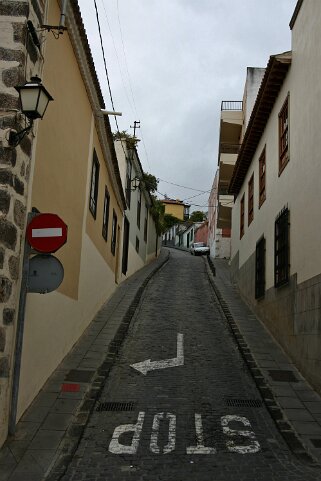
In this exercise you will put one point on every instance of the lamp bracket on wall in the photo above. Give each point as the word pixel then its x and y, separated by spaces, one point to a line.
pixel 16 137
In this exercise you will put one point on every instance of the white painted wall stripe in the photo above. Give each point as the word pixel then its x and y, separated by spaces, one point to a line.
pixel 48 232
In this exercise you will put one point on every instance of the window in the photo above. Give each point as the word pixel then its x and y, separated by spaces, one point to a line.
pixel 94 185
pixel 284 136
pixel 125 246
pixel 146 223
pixel 114 233
pixel 137 244
pixel 128 182
pixel 262 166
pixel 250 200
pixel 242 209
pixel 106 214
pixel 139 206
pixel 260 268
pixel 281 249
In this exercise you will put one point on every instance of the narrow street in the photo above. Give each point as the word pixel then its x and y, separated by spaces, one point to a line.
pixel 194 413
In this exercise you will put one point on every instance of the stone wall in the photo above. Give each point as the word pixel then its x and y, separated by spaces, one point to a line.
pixel 292 313
pixel 19 60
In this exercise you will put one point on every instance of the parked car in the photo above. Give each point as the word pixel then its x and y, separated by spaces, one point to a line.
pixel 199 249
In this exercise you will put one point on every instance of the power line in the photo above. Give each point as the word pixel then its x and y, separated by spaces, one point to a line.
pixel 184 186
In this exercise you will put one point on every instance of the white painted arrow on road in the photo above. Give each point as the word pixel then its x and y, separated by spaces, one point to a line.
pixel 149 365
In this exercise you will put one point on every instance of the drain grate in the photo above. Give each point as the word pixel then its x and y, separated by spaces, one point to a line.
pixel 115 406
pixel 240 403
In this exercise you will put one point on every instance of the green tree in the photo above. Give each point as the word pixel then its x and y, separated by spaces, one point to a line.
pixel 197 216
pixel 150 182
pixel 169 220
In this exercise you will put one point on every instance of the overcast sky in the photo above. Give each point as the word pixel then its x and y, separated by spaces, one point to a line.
pixel 170 64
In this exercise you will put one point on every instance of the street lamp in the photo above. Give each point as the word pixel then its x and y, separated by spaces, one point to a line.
pixel 34 99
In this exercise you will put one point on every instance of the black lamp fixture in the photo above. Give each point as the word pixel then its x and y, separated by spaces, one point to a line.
pixel 135 183
pixel 34 99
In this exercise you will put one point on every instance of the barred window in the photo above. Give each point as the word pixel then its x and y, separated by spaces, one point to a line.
pixel 260 268
pixel 106 214
pixel 284 135
pixel 128 182
pixel 139 206
pixel 94 185
pixel 251 200
pixel 146 223
pixel 114 233
pixel 242 209
pixel 281 249
pixel 262 177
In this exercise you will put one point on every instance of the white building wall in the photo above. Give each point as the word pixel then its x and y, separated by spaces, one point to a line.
pixel 280 191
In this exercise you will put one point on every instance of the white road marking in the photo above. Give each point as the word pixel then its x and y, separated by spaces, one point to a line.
pixel 254 445
pixel 116 447
pixel 48 232
pixel 145 366
pixel 170 446
pixel 199 448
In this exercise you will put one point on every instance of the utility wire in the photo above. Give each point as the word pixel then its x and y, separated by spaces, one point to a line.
pixel 118 61
pixel 106 72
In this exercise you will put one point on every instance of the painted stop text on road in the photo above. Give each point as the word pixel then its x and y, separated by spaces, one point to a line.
pixel 234 428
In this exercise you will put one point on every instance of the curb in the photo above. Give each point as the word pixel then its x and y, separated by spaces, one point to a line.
pixel 76 429
pixel 286 430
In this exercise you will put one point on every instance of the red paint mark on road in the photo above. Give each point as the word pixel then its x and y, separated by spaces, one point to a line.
pixel 65 387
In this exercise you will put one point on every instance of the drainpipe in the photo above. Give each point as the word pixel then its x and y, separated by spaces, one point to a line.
pixel 63 16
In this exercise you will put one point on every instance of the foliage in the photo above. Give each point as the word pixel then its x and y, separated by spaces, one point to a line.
pixel 197 216
pixel 169 220
pixel 157 211
pixel 150 182
pixel 123 134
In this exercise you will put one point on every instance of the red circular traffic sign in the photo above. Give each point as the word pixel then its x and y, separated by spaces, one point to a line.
pixel 46 233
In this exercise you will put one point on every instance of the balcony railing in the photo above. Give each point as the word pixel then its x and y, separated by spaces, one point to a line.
pixel 231 105
pixel 228 148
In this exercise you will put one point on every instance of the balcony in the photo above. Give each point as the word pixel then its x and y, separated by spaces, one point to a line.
pixel 231 105
pixel 229 148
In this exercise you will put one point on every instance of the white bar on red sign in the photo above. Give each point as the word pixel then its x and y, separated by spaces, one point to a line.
pixel 49 232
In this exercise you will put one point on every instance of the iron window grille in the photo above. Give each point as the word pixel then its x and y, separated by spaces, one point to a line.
pixel 125 246
pixel 114 233
pixel 284 135
pixel 139 207
pixel 128 182
pixel 262 177
pixel 242 209
pixel 106 214
pixel 94 185
pixel 260 268
pixel 146 223
pixel 251 200
pixel 282 248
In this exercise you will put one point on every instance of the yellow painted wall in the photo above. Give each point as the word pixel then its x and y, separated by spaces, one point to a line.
pixel 175 209
pixel 60 182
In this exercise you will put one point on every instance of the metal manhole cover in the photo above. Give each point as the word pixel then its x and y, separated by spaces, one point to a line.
pixel 283 376
pixel 240 403
pixel 115 406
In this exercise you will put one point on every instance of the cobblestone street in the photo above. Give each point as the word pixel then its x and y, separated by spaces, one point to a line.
pixel 194 411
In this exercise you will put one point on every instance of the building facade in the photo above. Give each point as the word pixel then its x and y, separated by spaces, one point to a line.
pixel 276 184
pixel 141 243
pixel 176 208
pixel 67 165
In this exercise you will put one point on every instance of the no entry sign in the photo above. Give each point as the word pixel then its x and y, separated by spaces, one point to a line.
pixel 46 233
